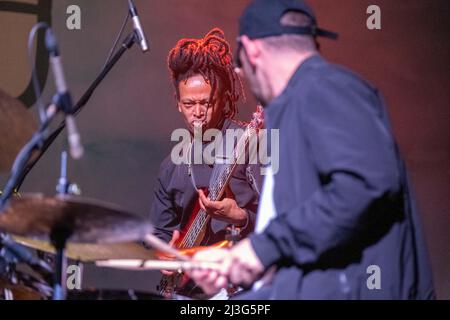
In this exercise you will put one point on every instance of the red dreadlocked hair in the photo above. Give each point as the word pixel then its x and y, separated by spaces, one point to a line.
pixel 212 58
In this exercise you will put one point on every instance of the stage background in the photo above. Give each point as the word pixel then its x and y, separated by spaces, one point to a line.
pixel 127 124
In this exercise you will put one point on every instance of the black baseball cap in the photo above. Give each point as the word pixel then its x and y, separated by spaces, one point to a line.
pixel 262 19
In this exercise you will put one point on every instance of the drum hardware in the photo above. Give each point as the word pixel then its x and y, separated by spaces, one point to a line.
pixel 64 186
pixel 65 220
pixel 89 230
pixel 18 281
pixel 16 291
pixel 13 253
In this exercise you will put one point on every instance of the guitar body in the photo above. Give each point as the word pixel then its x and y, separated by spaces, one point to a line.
pixel 177 282
pixel 200 236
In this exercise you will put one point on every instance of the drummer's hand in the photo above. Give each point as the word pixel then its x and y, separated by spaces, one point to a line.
pixel 175 237
pixel 244 266
pixel 212 281
pixel 239 265
pixel 225 210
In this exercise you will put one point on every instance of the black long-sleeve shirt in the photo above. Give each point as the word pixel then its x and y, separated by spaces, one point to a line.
pixel 341 195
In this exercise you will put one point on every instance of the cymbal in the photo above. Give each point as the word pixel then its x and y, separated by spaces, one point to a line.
pixel 83 220
pixel 86 252
pixel 16 128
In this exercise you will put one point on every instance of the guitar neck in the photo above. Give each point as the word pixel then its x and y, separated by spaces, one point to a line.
pixel 197 228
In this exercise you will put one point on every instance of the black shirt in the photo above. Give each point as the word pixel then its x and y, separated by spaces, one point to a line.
pixel 341 194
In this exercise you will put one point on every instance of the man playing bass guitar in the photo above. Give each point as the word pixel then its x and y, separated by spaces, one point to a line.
pixel 183 211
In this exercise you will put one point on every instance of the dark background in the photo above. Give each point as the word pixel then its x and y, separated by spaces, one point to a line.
pixel 127 124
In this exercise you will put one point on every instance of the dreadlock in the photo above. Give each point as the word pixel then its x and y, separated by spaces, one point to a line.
pixel 212 58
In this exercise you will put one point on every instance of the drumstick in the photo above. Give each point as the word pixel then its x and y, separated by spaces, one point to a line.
pixel 135 264
pixel 160 245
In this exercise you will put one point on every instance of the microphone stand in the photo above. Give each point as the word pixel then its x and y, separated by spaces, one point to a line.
pixel 40 144
pixel 24 156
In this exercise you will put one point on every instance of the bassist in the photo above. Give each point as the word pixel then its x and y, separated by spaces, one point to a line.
pixel 207 90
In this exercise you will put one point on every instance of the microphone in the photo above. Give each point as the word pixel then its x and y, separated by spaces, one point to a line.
pixel 64 99
pixel 137 26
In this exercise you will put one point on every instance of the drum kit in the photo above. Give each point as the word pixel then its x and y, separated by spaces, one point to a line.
pixel 39 233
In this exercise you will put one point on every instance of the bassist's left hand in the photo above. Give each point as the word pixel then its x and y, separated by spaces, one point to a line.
pixel 226 209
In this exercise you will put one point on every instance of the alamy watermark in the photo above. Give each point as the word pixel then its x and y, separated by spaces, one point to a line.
pixel 212 147
pixel 374 20
pixel 73 21
pixel 374 280
pixel 74 274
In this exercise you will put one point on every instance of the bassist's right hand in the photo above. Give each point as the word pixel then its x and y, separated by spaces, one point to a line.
pixel 175 237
